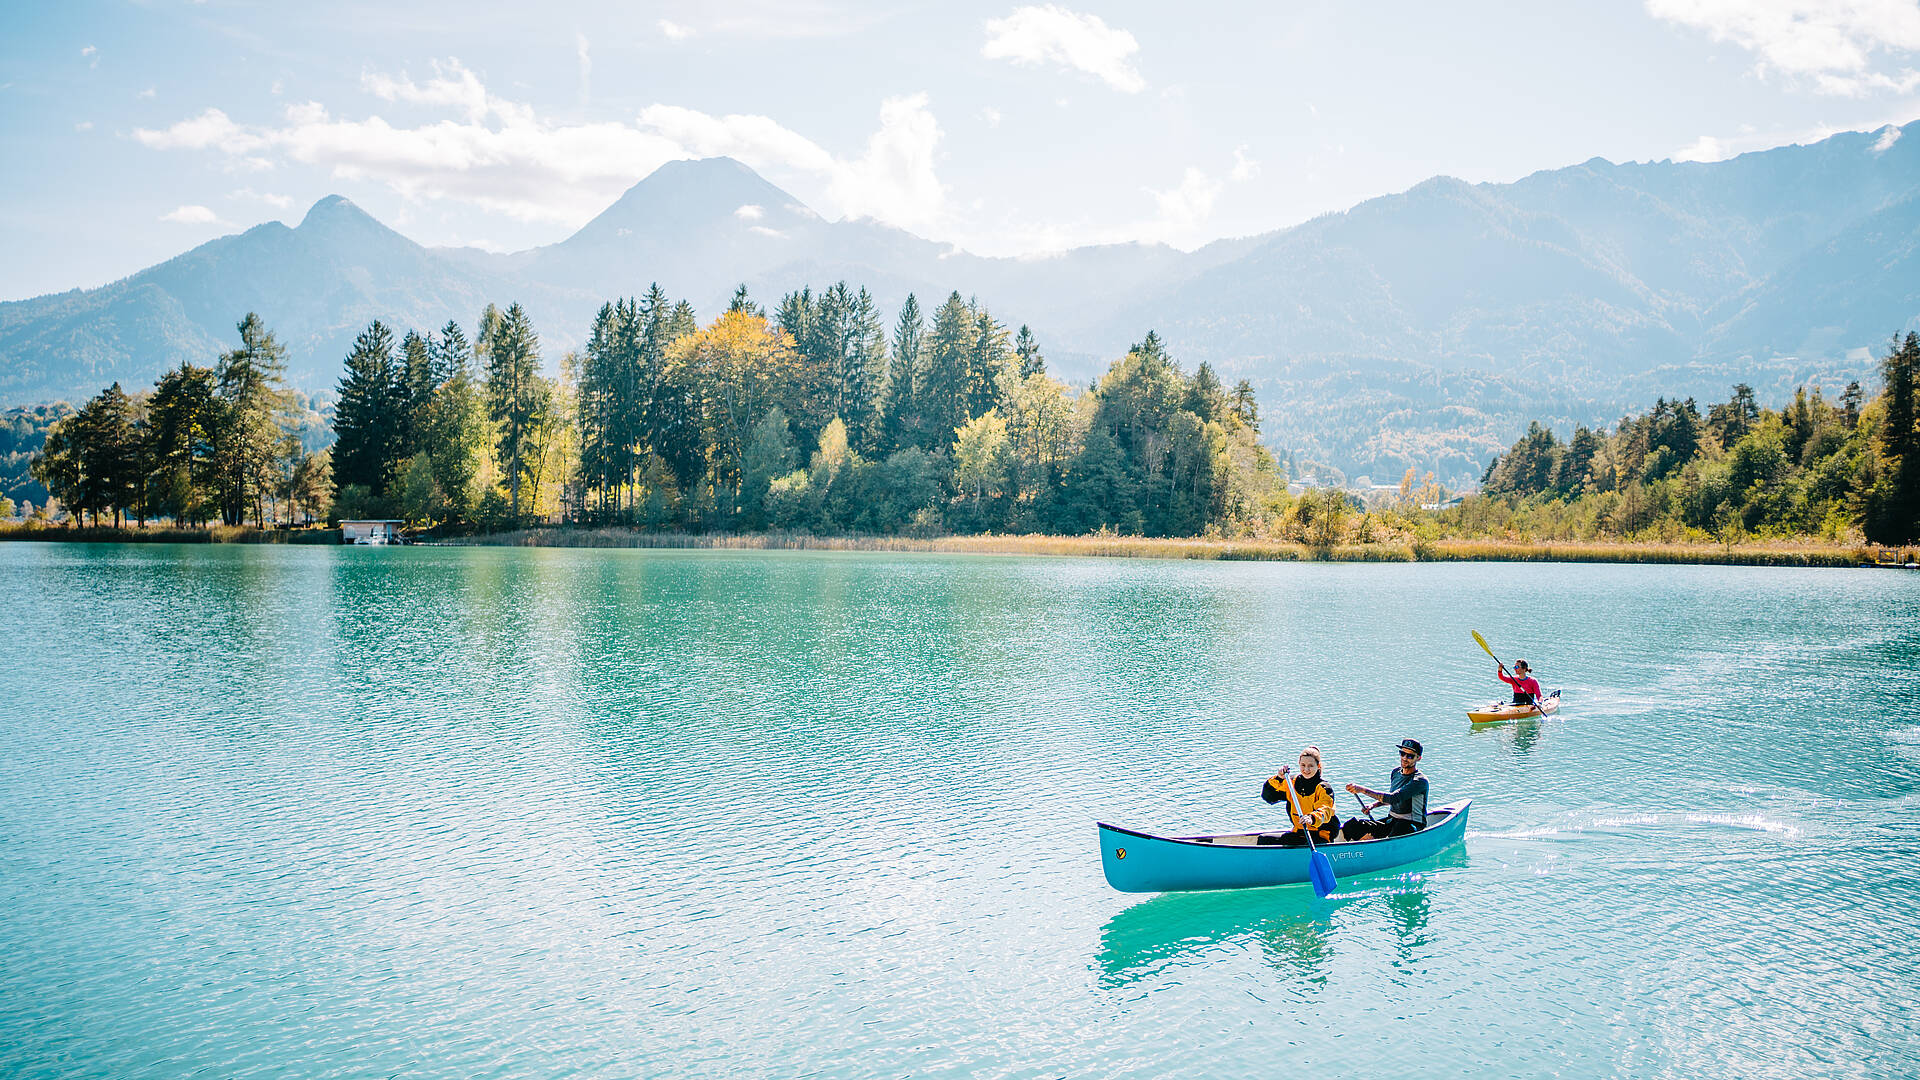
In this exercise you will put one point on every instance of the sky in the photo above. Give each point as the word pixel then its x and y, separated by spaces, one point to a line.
pixel 133 131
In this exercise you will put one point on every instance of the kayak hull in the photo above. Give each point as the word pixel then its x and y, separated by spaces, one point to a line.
pixel 1142 862
pixel 1500 712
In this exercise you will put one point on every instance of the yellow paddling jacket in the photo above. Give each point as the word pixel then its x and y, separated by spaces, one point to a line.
pixel 1316 800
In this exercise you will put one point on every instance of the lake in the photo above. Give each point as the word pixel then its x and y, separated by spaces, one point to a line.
pixel 474 812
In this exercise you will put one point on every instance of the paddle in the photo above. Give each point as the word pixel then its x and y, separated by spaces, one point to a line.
pixel 1319 867
pixel 1488 649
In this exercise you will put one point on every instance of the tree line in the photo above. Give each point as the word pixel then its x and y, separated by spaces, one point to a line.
pixel 1813 467
pixel 817 415
pixel 226 442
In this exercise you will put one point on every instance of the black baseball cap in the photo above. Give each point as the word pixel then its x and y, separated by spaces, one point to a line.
pixel 1411 746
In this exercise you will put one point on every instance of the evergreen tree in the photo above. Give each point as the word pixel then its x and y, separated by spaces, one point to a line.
pixel 250 441
pixel 742 304
pixel 1028 352
pixel 989 361
pixel 1890 508
pixel 902 422
pixel 941 384
pixel 515 397
pixel 417 384
pixel 862 372
pixel 368 416
pixel 1205 397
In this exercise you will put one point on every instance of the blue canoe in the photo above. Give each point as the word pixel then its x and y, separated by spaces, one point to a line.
pixel 1142 862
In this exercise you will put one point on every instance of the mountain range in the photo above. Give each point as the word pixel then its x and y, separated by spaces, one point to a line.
pixel 1422 329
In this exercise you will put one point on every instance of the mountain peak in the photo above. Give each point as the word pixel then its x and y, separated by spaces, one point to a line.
pixel 335 210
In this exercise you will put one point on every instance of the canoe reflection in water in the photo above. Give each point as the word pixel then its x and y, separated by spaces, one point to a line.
pixel 1293 930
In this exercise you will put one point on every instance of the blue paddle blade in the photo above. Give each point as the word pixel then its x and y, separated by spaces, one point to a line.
pixel 1320 871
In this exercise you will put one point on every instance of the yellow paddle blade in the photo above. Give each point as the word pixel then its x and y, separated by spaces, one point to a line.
pixel 1483 645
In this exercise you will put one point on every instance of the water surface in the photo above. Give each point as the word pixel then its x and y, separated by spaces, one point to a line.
pixel 337 812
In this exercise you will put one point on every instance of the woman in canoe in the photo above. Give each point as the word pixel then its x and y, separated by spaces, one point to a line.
pixel 1405 799
pixel 1311 806
pixel 1526 688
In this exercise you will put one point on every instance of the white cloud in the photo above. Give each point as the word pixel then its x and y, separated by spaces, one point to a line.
pixel 1888 136
pixel 750 212
pixel 452 85
pixel 149 92
pixel 277 87
pixel 1185 207
pixel 504 157
pixel 84 125
pixel 1244 167
pixel 192 215
pixel 991 115
pixel 91 55
pixel 673 31
pixel 1705 148
pixel 211 130
pixel 1048 33
pixel 1834 44
pixel 764 231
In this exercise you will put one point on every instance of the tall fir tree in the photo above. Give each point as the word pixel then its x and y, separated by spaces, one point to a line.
pixel 251 384
pixel 369 415
pixel 1028 351
pixel 941 385
pixel 902 423
pixel 515 397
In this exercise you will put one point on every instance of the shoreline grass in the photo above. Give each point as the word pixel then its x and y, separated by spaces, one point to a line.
pixel 165 534
pixel 1138 547
pixel 1771 553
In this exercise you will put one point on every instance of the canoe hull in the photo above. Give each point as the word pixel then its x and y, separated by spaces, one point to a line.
pixel 1499 713
pixel 1142 862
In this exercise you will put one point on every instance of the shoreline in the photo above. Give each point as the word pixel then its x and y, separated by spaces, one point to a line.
pixel 1787 553
pixel 1139 547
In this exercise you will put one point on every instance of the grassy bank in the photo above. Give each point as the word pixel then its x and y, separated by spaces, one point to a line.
pixel 1102 546
pixel 1772 554
pixel 166 534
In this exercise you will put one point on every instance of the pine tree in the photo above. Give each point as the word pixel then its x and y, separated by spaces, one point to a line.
pixel 515 394
pixel 368 416
pixel 901 420
pixel 941 383
pixel 989 362
pixel 417 384
pixel 1890 508
pixel 1028 350
pixel 251 441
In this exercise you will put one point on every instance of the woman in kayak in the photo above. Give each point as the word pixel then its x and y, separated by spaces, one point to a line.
pixel 1311 805
pixel 1405 799
pixel 1526 689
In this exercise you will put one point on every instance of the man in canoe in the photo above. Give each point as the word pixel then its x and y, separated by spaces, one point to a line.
pixel 1311 806
pixel 1526 688
pixel 1405 799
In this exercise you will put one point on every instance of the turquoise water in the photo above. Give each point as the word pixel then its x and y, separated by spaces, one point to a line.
pixel 306 812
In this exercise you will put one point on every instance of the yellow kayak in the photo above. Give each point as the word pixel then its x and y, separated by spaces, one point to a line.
pixel 1503 710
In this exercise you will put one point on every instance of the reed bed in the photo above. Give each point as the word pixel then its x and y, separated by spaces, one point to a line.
pixel 166 534
pixel 1140 547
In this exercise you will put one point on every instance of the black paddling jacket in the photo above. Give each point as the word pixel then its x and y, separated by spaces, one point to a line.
pixel 1315 798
